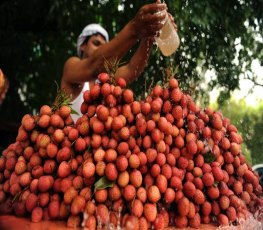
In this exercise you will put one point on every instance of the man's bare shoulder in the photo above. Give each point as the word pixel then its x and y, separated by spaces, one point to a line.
pixel 72 60
pixel 69 69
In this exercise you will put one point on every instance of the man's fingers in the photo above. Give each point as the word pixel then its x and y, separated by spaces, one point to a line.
pixel 152 25
pixel 160 16
pixel 154 18
pixel 154 8
pixel 153 31
pixel 156 27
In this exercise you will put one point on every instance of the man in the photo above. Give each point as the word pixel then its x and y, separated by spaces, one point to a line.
pixel 94 48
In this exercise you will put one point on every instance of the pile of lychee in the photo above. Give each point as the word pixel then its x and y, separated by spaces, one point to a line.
pixel 154 163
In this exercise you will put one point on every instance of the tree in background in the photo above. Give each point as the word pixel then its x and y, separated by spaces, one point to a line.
pixel 256 142
pixel 249 121
pixel 37 36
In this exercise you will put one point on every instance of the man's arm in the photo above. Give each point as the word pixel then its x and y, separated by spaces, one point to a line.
pixel 144 24
pixel 137 63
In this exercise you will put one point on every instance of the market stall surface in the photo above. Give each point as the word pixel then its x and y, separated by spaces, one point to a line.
pixel 8 222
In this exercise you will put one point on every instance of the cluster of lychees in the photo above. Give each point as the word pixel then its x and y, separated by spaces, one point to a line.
pixel 156 163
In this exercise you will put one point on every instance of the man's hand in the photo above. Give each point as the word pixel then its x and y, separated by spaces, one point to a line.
pixel 149 20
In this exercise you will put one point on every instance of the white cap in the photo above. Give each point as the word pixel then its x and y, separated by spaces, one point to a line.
pixel 90 30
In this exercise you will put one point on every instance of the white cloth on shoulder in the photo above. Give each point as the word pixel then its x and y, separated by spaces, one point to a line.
pixel 76 103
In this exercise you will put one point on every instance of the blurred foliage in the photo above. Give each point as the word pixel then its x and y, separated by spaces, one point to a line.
pixel 37 36
pixel 249 121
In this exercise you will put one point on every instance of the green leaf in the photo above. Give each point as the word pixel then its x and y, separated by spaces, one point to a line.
pixel 74 112
pixel 73 142
pixel 103 182
pixel 209 157
pixel 19 194
pixel 159 83
pixel 89 148
pixel 67 101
